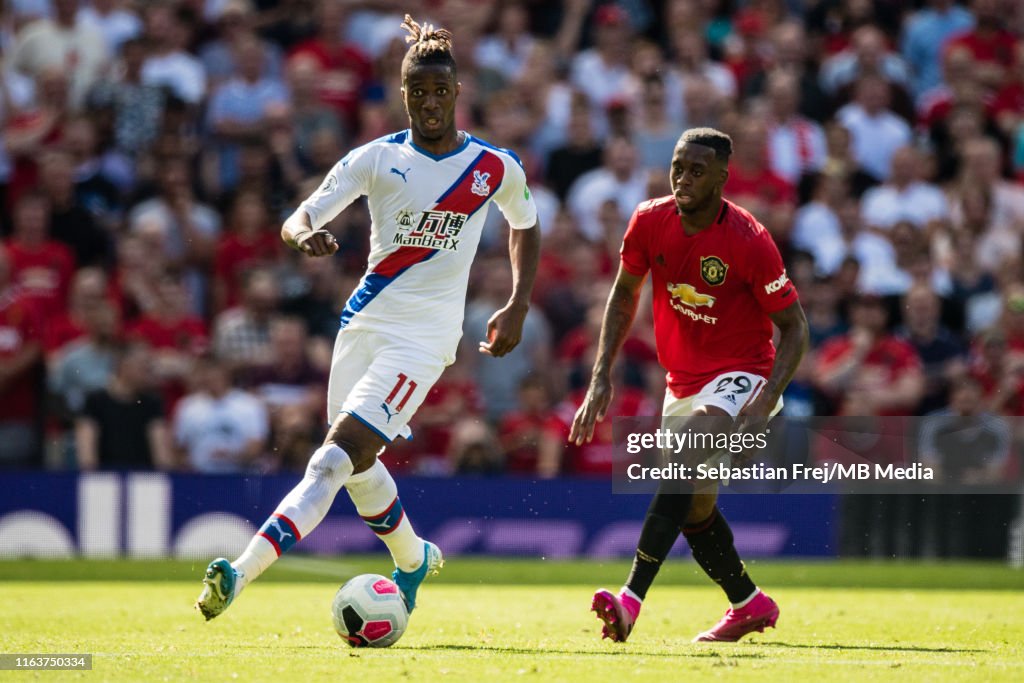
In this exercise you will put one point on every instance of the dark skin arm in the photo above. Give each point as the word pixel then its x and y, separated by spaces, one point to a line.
pixel 618 318
pixel 793 344
pixel 505 328
pixel 298 233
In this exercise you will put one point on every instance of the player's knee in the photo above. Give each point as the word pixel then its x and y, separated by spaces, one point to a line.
pixel 330 465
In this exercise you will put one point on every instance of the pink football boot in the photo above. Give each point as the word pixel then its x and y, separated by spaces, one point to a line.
pixel 761 611
pixel 618 612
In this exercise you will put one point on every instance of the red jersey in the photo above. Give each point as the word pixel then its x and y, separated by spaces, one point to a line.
pixel 236 255
pixel 44 274
pixel 885 363
pixel 713 291
pixel 20 327
pixel 185 334
pixel 764 185
pixel 997 49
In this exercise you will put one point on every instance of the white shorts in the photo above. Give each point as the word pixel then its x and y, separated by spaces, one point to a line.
pixel 380 381
pixel 730 391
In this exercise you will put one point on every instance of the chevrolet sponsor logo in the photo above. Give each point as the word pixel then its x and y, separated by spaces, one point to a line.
pixel 685 298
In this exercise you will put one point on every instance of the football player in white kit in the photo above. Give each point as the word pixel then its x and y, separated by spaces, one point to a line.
pixel 428 188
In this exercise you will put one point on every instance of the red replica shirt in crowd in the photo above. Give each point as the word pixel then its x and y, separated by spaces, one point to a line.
pixel 20 326
pixel 713 291
pixel 885 363
pixel 997 49
pixel 44 274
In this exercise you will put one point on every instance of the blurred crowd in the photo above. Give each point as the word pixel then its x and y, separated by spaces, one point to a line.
pixel 151 317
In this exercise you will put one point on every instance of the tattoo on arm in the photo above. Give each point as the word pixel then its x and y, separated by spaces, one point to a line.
pixel 618 318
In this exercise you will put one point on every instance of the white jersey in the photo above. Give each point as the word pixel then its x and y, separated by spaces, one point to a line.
pixel 427 214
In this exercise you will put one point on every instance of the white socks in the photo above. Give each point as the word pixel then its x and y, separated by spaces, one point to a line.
pixel 298 514
pixel 376 499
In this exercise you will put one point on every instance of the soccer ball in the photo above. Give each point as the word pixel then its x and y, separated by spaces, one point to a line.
pixel 369 611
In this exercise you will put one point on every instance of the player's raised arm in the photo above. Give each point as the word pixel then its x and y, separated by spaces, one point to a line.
pixel 505 328
pixel 618 318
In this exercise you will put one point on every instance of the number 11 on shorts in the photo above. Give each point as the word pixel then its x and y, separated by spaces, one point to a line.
pixel 402 380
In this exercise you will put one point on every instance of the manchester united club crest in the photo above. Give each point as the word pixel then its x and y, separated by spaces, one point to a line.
pixel 712 270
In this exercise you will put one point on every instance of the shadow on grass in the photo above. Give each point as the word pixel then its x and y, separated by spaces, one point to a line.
pixel 731 651
pixel 878 648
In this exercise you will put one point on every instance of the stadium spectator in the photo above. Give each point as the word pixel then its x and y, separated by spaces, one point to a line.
pixel 290 379
pixel 868 54
pixel 924 35
pixel 474 449
pixel 67 43
pixel 252 242
pixel 87 363
pixel 308 115
pixel 499 379
pixel 347 70
pixel 580 154
pixel 796 144
pixel 690 51
pixel 70 222
pixel 654 132
pixel 524 432
pixel 101 178
pixel 175 336
pixel 869 367
pixel 789 55
pixel 963 442
pixel 905 196
pixel 943 356
pixel 20 353
pixel 169 63
pixel 990 41
pixel 619 178
pixel 237 110
pixel 602 71
pixel 753 184
pixel 41 266
pixel 135 105
pixel 188 228
pixel 876 132
pixel 241 335
pixel 507 50
pixel 217 427
pixel 1008 102
pixel 113 20
pixel 221 56
pixel 88 291
pixel 122 425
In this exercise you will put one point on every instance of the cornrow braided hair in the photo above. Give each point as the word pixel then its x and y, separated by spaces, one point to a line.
pixel 429 45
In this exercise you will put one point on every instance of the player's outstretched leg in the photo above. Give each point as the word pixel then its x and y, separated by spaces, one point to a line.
pixel 715 552
pixel 619 613
pixel 296 516
pixel 375 495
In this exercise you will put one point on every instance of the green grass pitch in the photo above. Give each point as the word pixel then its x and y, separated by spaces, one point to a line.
pixel 496 620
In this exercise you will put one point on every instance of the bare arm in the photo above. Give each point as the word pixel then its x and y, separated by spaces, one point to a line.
pixel 618 318
pixel 160 446
pixel 298 233
pixel 505 328
pixel 794 340
pixel 87 437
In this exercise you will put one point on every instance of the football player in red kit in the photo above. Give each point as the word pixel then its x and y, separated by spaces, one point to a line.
pixel 719 283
